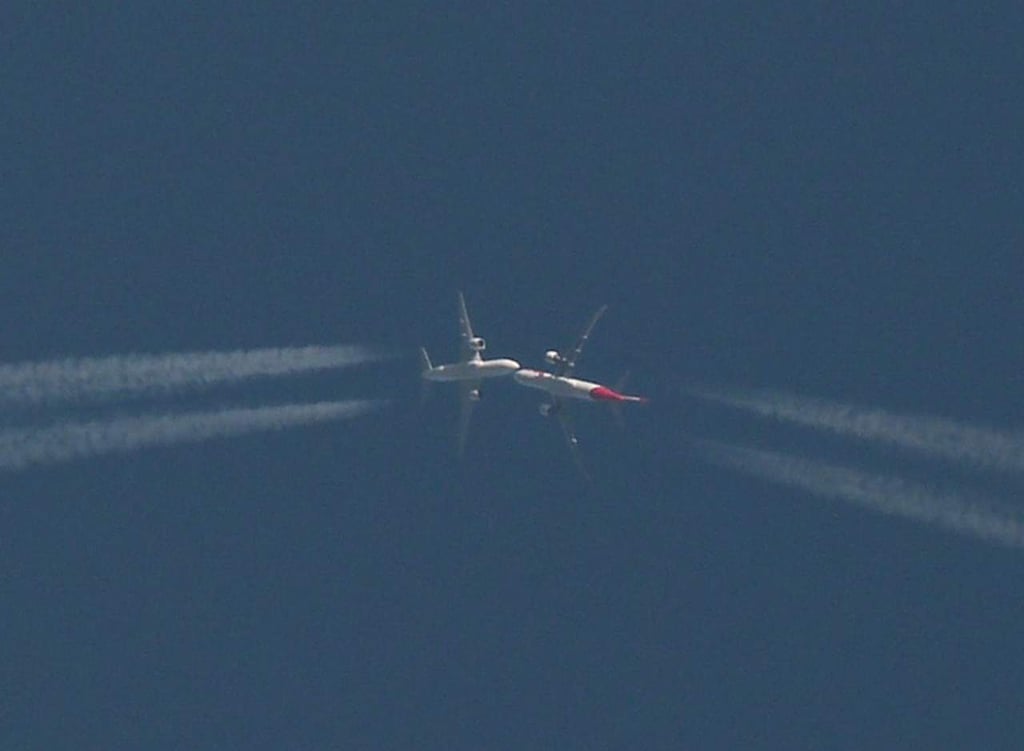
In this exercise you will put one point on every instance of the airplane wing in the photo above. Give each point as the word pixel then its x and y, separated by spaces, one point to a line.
pixel 467 402
pixel 570 437
pixel 569 361
pixel 466 333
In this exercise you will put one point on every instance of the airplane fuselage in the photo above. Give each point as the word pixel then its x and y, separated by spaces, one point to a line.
pixel 570 388
pixel 472 370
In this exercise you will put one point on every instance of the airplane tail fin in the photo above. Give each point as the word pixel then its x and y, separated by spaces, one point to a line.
pixel 616 410
pixel 620 420
pixel 620 384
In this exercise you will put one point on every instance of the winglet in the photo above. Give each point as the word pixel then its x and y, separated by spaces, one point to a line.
pixel 568 364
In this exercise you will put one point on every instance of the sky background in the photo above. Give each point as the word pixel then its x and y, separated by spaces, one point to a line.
pixel 825 200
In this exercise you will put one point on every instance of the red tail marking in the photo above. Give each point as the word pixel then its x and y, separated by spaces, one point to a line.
pixel 606 394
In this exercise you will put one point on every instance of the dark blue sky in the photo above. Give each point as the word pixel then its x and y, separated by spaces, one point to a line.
pixel 824 200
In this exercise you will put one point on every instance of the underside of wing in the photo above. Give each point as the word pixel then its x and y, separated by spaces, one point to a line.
pixel 469 395
pixel 569 361
pixel 565 421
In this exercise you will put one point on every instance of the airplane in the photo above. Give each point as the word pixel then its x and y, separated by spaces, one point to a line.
pixel 561 386
pixel 468 372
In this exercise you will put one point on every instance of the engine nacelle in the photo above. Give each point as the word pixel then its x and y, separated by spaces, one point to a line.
pixel 545 409
pixel 477 344
pixel 552 357
pixel 474 395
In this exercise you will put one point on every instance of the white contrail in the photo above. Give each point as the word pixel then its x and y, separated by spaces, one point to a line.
pixel 890 495
pixel 935 437
pixel 24 447
pixel 100 379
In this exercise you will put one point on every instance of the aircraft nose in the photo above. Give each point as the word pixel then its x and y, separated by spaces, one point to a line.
pixel 521 376
pixel 513 366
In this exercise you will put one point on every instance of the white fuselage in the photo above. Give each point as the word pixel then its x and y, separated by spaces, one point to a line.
pixel 571 388
pixel 567 388
pixel 472 370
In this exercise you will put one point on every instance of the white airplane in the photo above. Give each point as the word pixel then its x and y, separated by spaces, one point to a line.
pixel 560 386
pixel 468 372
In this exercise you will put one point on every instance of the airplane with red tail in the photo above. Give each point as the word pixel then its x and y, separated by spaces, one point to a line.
pixel 561 386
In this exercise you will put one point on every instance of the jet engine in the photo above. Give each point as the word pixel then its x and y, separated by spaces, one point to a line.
pixel 474 395
pixel 477 344
pixel 552 357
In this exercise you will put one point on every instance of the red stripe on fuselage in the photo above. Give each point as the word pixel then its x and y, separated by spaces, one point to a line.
pixel 606 394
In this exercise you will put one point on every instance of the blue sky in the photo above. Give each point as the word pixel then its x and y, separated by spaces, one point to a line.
pixel 824 201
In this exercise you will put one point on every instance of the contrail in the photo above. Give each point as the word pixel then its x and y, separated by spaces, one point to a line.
pixel 890 495
pixel 935 437
pixel 106 378
pixel 25 447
